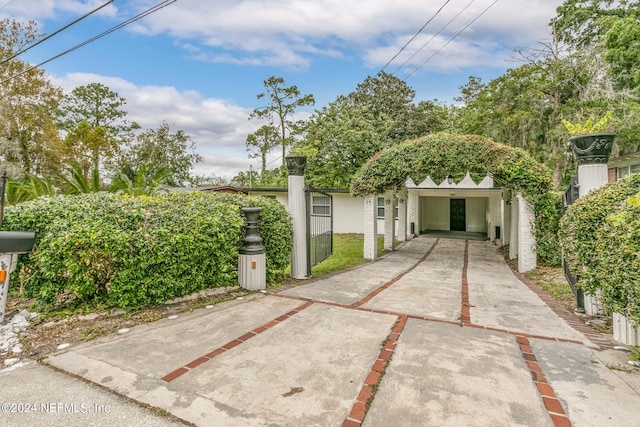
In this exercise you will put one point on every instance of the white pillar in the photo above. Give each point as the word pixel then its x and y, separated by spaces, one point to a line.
pixel 506 218
pixel 527 258
pixel 402 215
pixel 495 215
pixel 591 177
pixel 515 216
pixel 371 227
pixel 389 219
pixel 298 212
pixel 413 211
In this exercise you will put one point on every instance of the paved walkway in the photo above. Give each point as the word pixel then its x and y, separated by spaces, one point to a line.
pixel 438 333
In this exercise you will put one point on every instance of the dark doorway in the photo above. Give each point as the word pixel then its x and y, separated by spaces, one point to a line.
pixel 458 215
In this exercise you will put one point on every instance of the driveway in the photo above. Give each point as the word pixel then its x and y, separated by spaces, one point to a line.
pixel 438 333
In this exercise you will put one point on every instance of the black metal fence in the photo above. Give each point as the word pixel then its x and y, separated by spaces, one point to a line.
pixel 319 226
pixel 570 196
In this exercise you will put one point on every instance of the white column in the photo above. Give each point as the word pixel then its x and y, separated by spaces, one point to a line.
pixel 591 177
pixel 506 219
pixel 402 215
pixel 413 208
pixel 389 219
pixel 371 227
pixel 527 258
pixel 298 212
pixel 495 215
pixel 515 216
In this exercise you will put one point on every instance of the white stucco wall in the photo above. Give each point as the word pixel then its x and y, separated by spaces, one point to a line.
pixel 476 210
pixel 434 213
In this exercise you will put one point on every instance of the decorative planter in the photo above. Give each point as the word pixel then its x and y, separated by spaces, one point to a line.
pixel 625 330
pixel 592 148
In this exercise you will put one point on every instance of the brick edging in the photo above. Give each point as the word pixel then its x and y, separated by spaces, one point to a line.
pixel 367 393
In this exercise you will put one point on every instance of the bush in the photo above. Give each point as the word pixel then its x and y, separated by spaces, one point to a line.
pixel 133 251
pixel 618 269
pixel 581 228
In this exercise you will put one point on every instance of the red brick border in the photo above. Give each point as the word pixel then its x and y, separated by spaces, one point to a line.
pixel 551 402
pixel 465 315
pixel 231 344
pixel 360 407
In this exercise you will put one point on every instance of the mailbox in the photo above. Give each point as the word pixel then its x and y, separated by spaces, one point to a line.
pixel 16 242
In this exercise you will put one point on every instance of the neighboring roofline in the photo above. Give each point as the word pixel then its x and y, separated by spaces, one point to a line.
pixel 284 189
pixel 617 161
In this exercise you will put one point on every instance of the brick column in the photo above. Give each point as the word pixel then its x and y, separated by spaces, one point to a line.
pixel 527 259
pixel 402 215
pixel 506 219
pixel 370 227
pixel 389 219
pixel 414 210
pixel 515 216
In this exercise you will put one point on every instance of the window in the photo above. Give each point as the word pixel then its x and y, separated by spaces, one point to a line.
pixel 321 206
pixel 623 171
pixel 381 208
pixel 635 168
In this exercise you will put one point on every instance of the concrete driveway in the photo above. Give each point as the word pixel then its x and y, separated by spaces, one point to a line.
pixel 437 333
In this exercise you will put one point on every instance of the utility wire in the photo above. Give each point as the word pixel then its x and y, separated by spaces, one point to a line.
pixel 449 41
pixel 137 17
pixel 414 36
pixel 435 35
pixel 20 52
pixel 6 4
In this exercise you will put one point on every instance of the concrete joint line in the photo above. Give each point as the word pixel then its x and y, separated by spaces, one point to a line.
pixel 371 383
pixel 395 279
pixel 231 344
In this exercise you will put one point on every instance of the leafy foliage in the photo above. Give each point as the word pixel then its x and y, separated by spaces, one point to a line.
pixel 618 253
pixel 132 251
pixel 583 222
pixel 441 154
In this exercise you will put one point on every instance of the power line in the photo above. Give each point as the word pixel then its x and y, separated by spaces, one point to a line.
pixel 435 35
pixel 450 40
pixel 20 52
pixel 6 4
pixel 137 17
pixel 414 36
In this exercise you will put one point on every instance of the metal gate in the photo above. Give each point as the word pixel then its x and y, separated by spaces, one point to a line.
pixel 319 226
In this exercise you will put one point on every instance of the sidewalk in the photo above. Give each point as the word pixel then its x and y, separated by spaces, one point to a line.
pixel 437 333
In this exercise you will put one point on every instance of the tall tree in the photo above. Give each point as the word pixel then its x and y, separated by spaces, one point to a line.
pixel 260 143
pixel 378 113
pixel 28 138
pixel 95 122
pixel 155 150
pixel 282 103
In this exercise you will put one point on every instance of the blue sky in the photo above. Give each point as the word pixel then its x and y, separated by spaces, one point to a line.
pixel 199 65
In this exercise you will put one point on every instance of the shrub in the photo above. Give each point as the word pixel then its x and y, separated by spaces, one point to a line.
pixel 582 223
pixel 618 269
pixel 132 251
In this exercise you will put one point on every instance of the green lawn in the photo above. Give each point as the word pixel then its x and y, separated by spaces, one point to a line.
pixel 347 252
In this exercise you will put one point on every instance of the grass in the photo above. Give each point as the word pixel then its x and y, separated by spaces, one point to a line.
pixel 551 280
pixel 348 251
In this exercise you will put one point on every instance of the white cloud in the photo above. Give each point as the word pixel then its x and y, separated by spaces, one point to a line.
pixel 218 127
pixel 286 32
pixel 47 9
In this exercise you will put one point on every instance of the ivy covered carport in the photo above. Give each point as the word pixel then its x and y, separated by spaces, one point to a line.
pixel 525 185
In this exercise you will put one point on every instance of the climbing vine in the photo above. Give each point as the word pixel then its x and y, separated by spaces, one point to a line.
pixel 441 154
pixel 599 239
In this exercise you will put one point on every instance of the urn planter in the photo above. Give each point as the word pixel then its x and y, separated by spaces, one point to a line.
pixel 592 148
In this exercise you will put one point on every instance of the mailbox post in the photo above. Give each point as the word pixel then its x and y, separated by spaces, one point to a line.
pixel 12 243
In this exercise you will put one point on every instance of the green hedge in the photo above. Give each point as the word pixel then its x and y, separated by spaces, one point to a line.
pixel 618 243
pixel 592 234
pixel 133 251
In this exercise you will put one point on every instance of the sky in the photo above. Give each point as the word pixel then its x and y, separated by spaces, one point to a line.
pixel 199 65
